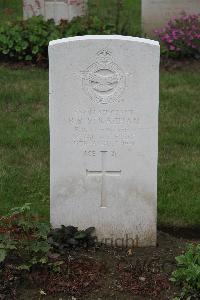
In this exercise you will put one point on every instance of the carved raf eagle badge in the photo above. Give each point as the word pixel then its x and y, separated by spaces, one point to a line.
pixel 104 81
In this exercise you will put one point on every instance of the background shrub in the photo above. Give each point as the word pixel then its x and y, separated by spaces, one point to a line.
pixel 28 40
pixel 181 36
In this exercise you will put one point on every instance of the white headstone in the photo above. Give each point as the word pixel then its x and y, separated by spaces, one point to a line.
pixel 104 97
pixel 55 9
pixel 33 8
pixel 77 8
pixel 156 13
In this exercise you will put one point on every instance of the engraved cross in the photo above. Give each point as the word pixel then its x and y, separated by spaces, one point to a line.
pixel 103 173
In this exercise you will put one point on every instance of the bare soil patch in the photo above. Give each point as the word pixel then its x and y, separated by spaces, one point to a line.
pixel 102 273
pixel 169 64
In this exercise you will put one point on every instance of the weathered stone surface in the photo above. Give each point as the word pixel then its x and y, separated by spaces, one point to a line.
pixel 156 13
pixel 55 9
pixel 33 8
pixel 104 96
pixel 77 8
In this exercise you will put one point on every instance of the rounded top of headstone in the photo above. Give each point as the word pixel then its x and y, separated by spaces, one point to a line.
pixel 103 37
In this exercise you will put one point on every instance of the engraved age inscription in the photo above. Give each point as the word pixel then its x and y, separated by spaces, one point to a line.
pixel 104 81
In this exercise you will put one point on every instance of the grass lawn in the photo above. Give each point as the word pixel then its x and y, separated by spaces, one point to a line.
pixel 24 139
pixel 24 144
pixel 179 149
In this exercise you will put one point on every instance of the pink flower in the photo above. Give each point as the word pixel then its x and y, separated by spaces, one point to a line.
pixel 181 35
pixel 172 47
